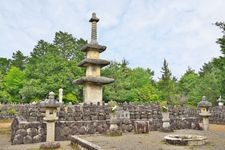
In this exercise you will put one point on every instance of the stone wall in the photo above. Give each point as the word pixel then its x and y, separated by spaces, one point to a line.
pixel 66 128
pixel 28 126
pixel 23 132
pixel 7 111
pixel 218 115
pixel 184 118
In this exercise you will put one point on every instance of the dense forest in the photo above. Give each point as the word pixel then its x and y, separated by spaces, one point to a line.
pixel 50 66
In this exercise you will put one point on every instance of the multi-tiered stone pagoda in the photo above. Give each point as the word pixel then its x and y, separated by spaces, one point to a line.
pixel 93 80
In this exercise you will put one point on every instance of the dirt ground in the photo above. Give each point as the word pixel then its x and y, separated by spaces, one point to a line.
pixel 129 141
pixel 153 141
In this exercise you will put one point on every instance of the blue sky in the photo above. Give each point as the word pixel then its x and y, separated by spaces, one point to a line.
pixel 144 32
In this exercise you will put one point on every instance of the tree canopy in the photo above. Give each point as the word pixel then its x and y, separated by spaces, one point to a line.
pixel 50 66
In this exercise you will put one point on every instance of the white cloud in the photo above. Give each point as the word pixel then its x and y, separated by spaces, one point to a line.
pixel 143 32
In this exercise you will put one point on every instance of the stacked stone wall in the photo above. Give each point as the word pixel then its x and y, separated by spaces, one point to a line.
pixel 28 126
pixel 218 115
pixel 23 132
pixel 184 118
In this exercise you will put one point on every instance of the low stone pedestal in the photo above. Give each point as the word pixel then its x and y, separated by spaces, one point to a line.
pixel 114 129
pixel 141 127
pixel 166 122
pixel 166 119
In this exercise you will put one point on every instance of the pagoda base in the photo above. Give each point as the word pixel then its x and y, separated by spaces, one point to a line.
pixel 92 93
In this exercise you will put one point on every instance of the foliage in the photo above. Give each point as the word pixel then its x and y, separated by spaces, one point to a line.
pixel 18 60
pixel 4 65
pixel 221 41
pixel 112 106
pixel 54 65
pixel 11 111
pixel 164 106
pixel 166 84
pixel 70 97
pixel 209 86
pixel 131 85
pixel 186 84
pixel 13 81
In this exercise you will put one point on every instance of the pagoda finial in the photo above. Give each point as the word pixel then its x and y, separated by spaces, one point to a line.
pixel 94 21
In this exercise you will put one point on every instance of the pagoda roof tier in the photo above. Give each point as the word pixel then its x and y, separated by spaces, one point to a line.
pixel 96 80
pixel 94 47
pixel 88 61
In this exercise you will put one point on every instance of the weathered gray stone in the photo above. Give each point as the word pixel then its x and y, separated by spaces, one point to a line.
pixel 141 126
pixel 100 129
pixel 129 128
pixel 82 130
pixel 50 145
pixel 27 139
pixel 65 131
pixel 32 132
pixel 21 132
pixel 18 139
pixel 37 138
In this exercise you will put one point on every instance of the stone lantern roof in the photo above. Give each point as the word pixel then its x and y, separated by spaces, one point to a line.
pixel 220 99
pixel 204 103
pixel 50 102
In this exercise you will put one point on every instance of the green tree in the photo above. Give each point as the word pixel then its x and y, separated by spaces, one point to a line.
pixel 68 46
pixel 186 84
pixel 208 86
pixel 166 84
pixel 4 95
pixel 18 60
pixel 221 41
pixel 116 91
pixel 131 85
pixel 4 65
pixel 188 81
pixel 13 81
pixel 53 66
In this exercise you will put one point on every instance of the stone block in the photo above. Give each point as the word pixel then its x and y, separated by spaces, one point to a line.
pixel 27 139
pixel 82 130
pixel 37 139
pixel 18 139
pixel 141 127
pixel 21 132
pixel 32 132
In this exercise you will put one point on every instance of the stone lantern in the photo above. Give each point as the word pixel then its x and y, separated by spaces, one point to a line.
pixel 204 106
pixel 51 117
pixel 220 101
